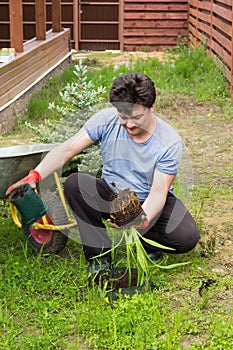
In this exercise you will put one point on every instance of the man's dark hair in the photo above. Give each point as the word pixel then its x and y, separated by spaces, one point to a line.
pixel 132 89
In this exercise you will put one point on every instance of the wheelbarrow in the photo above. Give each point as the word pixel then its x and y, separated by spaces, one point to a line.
pixel 49 234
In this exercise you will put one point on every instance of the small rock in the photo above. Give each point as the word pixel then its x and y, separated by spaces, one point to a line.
pixel 218 270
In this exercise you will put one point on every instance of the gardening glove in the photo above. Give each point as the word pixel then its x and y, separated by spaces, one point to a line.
pixel 31 179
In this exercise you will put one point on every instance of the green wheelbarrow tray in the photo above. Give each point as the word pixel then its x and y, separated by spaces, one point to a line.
pixel 17 161
pixel 44 216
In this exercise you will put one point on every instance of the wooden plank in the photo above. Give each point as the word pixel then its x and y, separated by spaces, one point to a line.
pixel 29 63
pixel 26 66
pixel 157 1
pixel 228 73
pixel 222 53
pixel 193 3
pixel 223 12
pixel 225 2
pixel 151 41
pixel 156 7
pixel 223 26
pixel 204 27
pixel 16 86
pixel 204 6
pixel 193 13
pixel 76 20
pixel 202 38
pixel 154 32
pixel 151 48
pixel 156 24
pixel 192 31
pixel 204 17
pixel 221 40
pixel 16 24
pixel 121 24
pixel 35 46
pixel 39 69
pixel 40 9
pixel 156 15
pixel 31 48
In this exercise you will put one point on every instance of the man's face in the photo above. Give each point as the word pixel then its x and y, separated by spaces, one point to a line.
pixel 137 122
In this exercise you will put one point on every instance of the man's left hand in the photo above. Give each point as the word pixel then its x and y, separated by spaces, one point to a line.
pixel 142 225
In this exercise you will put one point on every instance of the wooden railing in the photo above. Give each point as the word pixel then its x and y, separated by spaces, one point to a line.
pixel 211 24
pixel 34 61
pixel 16 21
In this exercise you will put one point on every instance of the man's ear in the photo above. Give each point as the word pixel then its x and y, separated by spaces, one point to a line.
pixel 152 108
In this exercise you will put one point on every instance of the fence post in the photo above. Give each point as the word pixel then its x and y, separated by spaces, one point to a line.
pixel 231 80
pixel 56 15
pixel 197 20
pixel 76 24
pixel 16 25
pixel 40 19
pixel 121 24
pixel 211 26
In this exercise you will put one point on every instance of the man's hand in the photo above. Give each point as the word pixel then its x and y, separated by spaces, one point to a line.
pixel 31 179
pixel 127 211
pixel 142 225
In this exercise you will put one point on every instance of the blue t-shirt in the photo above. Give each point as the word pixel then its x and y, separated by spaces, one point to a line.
pixel 130 164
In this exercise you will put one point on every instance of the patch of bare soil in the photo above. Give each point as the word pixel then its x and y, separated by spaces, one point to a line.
pixel 209 141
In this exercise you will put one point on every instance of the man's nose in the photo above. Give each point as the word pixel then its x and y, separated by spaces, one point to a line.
pixel 130 123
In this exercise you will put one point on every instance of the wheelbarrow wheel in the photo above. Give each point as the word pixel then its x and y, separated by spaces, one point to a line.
pixel 48 241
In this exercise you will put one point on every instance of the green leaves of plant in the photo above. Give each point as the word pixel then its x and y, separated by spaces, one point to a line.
pixel 136 256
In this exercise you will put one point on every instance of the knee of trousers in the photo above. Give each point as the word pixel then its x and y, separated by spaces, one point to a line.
pixel 189 241
pixel 69 184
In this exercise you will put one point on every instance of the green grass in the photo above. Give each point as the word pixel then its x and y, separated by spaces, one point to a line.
pixel 46 303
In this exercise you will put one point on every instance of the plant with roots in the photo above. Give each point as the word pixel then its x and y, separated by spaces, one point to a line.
pixel 137 257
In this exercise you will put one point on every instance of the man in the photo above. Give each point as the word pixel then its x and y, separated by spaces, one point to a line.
pixel 139 151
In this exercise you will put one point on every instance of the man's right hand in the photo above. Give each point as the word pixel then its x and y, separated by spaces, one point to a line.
pixel 31 179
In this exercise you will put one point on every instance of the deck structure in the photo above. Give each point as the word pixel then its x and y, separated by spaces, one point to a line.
pixel 35 60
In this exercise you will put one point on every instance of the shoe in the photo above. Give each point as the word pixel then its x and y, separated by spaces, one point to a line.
pixel 154 255
pixel 97 265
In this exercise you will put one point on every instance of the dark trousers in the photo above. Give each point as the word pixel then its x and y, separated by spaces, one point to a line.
pixel 90 198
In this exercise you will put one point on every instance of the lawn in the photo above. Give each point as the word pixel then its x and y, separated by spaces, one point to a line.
pixel 48 302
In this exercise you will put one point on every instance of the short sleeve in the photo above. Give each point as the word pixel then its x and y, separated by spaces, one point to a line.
pixel 96 126
pixel 170 161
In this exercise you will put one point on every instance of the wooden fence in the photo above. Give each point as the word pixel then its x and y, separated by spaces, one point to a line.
pixel 211 24
pixel 141 24
pixel 127 25
pixel 153 25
